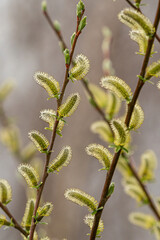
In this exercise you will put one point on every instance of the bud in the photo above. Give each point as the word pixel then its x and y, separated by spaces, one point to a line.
pixel 82 24
pixel 72 38
pixel 67 56
pixel 57 26
pixel 80 8
pixel 44 6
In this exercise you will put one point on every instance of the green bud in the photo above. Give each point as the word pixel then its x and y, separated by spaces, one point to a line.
pixel 72 38
pixel 67 56
pixel 57 25
pixel 44 6
pixel 80 8
pixel 82 24
pixel 111 189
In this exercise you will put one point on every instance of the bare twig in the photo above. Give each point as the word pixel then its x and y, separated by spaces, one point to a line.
pixel 14 221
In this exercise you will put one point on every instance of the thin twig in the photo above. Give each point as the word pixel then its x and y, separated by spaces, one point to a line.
pixel 14 221
pixel 59 101
pixel 111 171
pixel 83 81
pixel 139 10
pixel 150 200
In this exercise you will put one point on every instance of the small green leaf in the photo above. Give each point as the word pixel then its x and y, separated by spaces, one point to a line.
pixel 4 222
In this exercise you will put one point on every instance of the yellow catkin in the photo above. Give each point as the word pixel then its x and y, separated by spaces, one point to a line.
pixel 70 105
pixel 117 86
pixel 5 192
pixel 120 132
pixel 29 174
pixel 48 83
pixel 81 68
pixel 101 153
pixel 81 198
pixel 39 140
pixel 136 21
pixel 143 220
pixel 62 160
pixel 104 131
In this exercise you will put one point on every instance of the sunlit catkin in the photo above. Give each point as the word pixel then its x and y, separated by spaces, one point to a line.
pixel 81 198
pixel 29 174
pixel 70 105
pixel 62 160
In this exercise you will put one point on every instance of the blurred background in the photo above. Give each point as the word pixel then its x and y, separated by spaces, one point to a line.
pixel 27 45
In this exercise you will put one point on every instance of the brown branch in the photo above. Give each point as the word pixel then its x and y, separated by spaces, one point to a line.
pixel 16 224
pixel 130 110
pixel 139 10
pixel 110 173
pixel 59 101
pixel 150 200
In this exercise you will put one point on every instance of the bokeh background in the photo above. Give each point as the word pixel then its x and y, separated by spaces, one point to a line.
pixel 27 44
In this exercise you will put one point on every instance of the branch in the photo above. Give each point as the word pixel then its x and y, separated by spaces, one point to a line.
pixel 150 200
pixel 110 173
pixel 100 111
pixel 16 224
pixel 59 101
pixel 139 10
pixel 83 81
